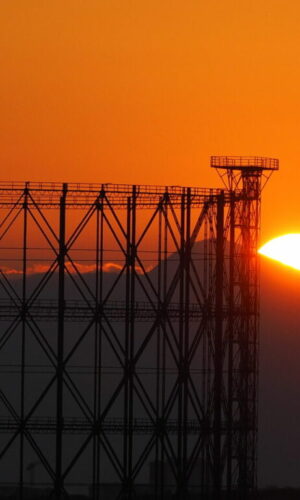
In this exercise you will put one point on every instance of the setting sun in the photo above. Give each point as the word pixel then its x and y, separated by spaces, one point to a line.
pixel 284 249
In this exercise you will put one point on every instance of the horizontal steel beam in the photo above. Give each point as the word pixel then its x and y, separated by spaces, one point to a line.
pixel 80 311
pixel 47 195
pixel 47 425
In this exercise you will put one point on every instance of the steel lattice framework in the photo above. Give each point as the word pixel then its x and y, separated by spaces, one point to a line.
pixel 129 336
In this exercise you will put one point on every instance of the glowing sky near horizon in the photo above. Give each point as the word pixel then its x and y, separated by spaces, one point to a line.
pixel 132 91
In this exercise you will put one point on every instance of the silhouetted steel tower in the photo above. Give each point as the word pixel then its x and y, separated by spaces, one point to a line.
pixel 128 347
pixel 236 394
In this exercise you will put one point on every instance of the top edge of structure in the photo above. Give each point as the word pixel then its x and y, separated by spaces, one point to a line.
pixel 103 188
pixel 80 195
pixel 259 163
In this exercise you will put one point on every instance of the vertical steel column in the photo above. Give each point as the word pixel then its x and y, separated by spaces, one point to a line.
pixel 218 350
pixel 243 480
pixel 131 366
pixel 100 333
pixel 95 385
pixel 204 388
pixel 126 354
pixel 158 475
pixel 186 363
pixel 129 344
pixel 255 315
pixel 248 333
pixel 60 342
pixel 230 342
pixel 23 341
pixel 98 346
pixel 179 479
pixel 164 345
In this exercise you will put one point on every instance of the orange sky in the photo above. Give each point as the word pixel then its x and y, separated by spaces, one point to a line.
pixel 145 91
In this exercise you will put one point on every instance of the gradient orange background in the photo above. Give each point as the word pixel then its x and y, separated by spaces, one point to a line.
pixel 145 91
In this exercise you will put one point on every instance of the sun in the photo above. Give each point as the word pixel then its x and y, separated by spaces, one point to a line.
pixel 284 249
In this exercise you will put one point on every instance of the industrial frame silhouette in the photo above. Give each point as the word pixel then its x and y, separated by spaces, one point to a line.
pixel 129 336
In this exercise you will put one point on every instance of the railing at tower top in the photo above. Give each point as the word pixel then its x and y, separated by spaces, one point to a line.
pixel 241 162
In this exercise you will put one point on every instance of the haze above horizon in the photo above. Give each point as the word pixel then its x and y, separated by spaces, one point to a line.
pixel 139 92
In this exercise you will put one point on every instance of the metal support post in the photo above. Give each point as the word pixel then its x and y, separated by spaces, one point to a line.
pixel 60 343
pixel 230 344
pixel 218 349
pixel 23 341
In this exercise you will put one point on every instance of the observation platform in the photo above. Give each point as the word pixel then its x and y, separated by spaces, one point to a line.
pixel 253 163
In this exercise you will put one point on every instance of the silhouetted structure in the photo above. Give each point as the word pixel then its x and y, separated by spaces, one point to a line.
pixel 129 336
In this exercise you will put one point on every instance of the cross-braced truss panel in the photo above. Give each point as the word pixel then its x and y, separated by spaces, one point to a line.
pixel 128 346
